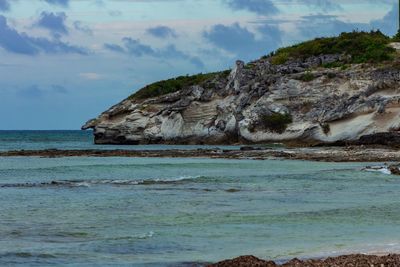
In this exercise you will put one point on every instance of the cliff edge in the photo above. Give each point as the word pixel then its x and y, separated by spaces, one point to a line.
pixel 322 91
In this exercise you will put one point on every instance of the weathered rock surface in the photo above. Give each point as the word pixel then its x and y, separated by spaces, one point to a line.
pixel 327 154
pixel 357 260
pixel 328 105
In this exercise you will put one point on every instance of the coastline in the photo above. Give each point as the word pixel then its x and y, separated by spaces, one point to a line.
pixel 361 260
pixel 324 154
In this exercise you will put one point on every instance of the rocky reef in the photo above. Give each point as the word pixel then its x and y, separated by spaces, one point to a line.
pixel 340 261
pixel 322 98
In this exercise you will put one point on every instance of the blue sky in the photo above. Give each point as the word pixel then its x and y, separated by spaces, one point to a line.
pixel 63 62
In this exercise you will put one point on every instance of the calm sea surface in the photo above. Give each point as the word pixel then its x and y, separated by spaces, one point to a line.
pixel 34 140
pixel 172 212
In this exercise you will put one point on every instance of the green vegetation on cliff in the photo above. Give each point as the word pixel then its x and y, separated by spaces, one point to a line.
pixel 363 47
pixel 175 84
pixel 276 122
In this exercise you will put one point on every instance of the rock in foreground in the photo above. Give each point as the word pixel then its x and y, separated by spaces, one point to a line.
pixel 357 260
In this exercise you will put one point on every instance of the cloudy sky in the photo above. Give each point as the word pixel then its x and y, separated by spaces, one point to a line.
pixel 63 62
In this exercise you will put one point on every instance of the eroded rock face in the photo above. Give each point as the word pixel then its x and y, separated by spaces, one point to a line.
pixel 325 105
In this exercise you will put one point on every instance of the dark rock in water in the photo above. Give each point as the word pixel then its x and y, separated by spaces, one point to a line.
pixel 394 169
pixel 387 139
pixel 357 260
pixel 232 190
pixel 331 154
pixel 250 148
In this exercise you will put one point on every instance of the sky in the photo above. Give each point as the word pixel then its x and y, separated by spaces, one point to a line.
pixel 63 62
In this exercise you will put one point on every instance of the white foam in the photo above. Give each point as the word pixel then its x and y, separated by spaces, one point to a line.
pixel 381 169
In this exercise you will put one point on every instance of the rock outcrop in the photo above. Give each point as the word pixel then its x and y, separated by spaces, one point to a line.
pixel 356 260
pixel 299 101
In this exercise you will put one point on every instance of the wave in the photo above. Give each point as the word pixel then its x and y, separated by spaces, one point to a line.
pixel 381 169
pixel 147 235
pixel 119 182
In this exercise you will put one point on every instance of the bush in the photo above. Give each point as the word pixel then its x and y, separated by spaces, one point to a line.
pixel 363 47
pixel 326 128
pixel 280 58
pixel 276 122
pixel 174 85
pixel 332 65
pixel 307 77
pixel 331 75
pixel 249 66
pixel 396 38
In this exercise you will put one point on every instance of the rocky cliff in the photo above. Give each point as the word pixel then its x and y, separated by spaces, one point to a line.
pixel 317 99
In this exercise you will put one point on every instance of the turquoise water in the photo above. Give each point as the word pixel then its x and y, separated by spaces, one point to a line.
pixel 175 212
pixel 36 140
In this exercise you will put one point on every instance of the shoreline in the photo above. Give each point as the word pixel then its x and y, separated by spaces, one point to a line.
pixel 361 260
pixel 323 154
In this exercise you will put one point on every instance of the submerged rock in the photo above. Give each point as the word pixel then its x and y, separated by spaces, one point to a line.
pixel 394 169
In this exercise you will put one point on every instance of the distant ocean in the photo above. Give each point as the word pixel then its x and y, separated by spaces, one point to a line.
pixel 175 212
pixel 33 140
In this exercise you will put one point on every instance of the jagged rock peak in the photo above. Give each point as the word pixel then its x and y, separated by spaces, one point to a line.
pixel 319 98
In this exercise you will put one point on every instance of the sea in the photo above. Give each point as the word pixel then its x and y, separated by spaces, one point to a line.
pixel 88 211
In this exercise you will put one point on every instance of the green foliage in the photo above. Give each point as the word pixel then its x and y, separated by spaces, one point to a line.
pixel 173 85
pixel 280 58
pixel 276 122
pixel 396 38
pixel 225 73
pixel 331 75
pixel 363 47
pixel 307 77
pixel 326 128
pixel 333 65
pixel 249 66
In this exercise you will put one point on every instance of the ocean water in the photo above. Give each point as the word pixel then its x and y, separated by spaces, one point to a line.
pixel 36 140
pixel 181 212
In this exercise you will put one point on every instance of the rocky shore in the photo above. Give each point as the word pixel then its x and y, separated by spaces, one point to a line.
pixel 356 260
pixel 291 96
pixel 327 154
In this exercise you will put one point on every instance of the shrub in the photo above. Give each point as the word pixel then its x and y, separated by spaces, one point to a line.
pixel 307 77
pixel 396 38
pixel 276 122
pixel 363 47
pixel 326 128
pixel 280 58
pixel 249 66
pixel 225 73
pixel 331 75
pixel 174 85
pixel 332 65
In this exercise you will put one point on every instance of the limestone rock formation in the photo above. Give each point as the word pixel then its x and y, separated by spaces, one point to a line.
pixel 298 101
